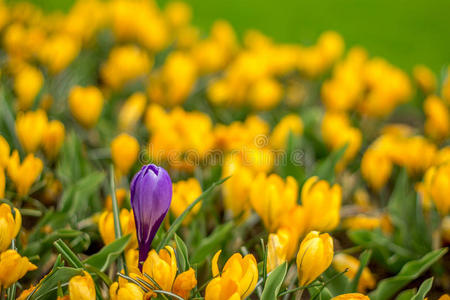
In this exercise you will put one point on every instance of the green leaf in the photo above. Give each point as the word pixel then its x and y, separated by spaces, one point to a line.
pixel 68 254
pixel 274 281
pixel 425 287
pixel 177 223
pixel 326 169
pixel 182 252
pixel 108 254
pixel 47 289
pixel 363 261
pixel 406 295
pixel 320 293
pixel 212 243
pixel 410 271
pixel 293 164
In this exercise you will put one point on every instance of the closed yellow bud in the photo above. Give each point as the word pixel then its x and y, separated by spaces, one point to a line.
pixel 437 124
pixel 58 52
pixel 314 257
pixel 184 193
pixel 131 111
pixel 342 262
pixel 294 225
pixel 13 267
pixel 376 168
pixel 30 129
pixel 445 297
pixel 106 226
pixel 124 152
pixel 321 204
pixel 277 247
pixel 436 185
pixel 53 138
pixel 362 222
pixel 24 175
pixel 184 283
pixel 161 267
pixel 242 270
pixel 9 225
pixel 81 287
pixel 222 289
pixel 120 196
pixel 289 124
pixel 86 105
pixel 352 296
pixel 125 291
pixel 27 85
pixel 4 152
pixel 425 79
pixel 271 198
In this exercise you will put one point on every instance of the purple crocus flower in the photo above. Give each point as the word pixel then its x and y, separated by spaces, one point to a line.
pixel 151 194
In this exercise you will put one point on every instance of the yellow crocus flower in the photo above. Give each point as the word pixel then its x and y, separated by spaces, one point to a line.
pixel 161 267
pixel 321 203
pixel 342 262
pixel 106 226
pixel 131 111
pixel 24 175
pixel 86 105
pixel 277 247
pixel 81 287
pixel 53 138
pixel 291 123
pixel 125 291
pixel 30 129
pixel 314 257
pixel 4 152
pixel 9 225
pixel 352 296
pixel 184 193
pixel 13 267
pixel 124 152
pixel 27 84
pixel 271 197
pixel 222 289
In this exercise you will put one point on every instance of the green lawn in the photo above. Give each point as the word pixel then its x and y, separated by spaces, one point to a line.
pixel 404 32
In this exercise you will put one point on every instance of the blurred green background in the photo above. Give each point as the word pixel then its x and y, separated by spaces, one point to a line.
pixel 404 32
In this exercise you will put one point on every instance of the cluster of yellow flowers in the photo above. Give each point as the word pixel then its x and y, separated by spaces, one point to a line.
pixel 204 108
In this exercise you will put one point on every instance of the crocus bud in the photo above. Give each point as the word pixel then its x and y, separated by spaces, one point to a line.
pixel 23 175
pixel 86 105
pixel 376 168
pixel 30 128
pixel 9 224
pixel 53 138
pixel 342 262
pixel 151 194
pixel 125 291
pixel 314 257
pixel 13 267
pixel 81 287
pixel 271 197
pixel 106 226
pixel 242 270
pixel 322 204
pixel 436 187
pixel 352 296
pixel 27 85
pixel 4 152
pixel 124 152
pixel 131 111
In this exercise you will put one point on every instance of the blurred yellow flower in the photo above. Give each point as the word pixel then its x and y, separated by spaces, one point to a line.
pixel 322 204
pixel 86 104
pixel 271 198
pixel 436 185
pixel 277 246
pixel 13 267
pixel 362 222
pixel 30 129
pixel 425 79
pixel 352 296
pixel 342 262
pixel 376 168
pixel 27 84
pixel 132 111
pixel 53 138
pixel 58 52
pixel 106 226
pixel 184 193
pixel 124 152
pixel 120 196
pixel 314 257
pixel 437 124
pixel 265 94
pixel 291 123
pixel 82 287
pixel 24 175
pixel 4 152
